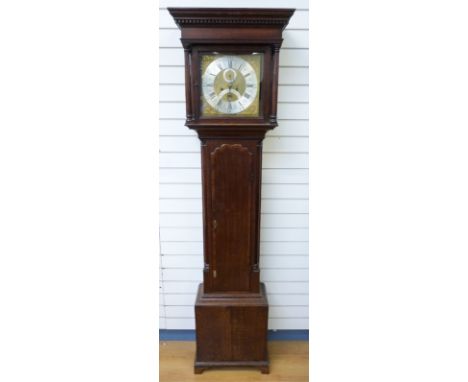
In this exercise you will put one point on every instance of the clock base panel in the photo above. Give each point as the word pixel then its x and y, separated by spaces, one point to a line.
pixel 200 367
pixel 231 330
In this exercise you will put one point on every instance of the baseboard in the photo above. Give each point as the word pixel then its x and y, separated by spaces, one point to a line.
pixel 273 335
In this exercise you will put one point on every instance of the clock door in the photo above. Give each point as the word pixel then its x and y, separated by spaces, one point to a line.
pixel 232 192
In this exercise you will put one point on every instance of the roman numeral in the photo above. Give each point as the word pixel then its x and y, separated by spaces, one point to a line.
pixel 247 95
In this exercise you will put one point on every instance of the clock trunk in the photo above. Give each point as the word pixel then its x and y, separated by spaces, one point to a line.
pixel 231 190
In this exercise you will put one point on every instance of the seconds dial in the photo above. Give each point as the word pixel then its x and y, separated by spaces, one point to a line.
pixel 229 84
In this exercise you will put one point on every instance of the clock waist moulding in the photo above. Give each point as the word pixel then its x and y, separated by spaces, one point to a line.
pixel 231 87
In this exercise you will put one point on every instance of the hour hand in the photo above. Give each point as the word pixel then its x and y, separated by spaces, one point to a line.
pixel 235 92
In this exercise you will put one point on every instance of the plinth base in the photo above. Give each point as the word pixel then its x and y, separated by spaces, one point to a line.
pixel 200 367
pixel 231 330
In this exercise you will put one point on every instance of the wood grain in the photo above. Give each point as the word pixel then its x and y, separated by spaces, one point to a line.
pixel 289 362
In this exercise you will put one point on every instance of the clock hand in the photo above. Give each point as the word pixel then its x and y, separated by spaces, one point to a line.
pixel 222 93
pixel 233 91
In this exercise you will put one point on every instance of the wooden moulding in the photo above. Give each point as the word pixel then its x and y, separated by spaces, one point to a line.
pixel 225 17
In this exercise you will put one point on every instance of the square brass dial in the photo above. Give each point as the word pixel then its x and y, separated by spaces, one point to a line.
pixel 231 84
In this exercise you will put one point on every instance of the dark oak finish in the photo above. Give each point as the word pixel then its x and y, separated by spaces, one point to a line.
pixel 231 309
pixel 231 330
pixel 232 199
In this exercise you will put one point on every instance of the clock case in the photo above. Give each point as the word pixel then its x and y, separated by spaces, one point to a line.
pixel 231 308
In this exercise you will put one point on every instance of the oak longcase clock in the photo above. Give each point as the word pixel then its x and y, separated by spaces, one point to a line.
pixel 231 82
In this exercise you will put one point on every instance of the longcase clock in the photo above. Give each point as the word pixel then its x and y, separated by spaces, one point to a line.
pixel 231 82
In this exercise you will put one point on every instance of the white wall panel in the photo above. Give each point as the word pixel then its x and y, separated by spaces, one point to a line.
pixel 180 191
pixel 285 288
pixel 299 206
pixel 287 76
pixel 271 144
pixel 170 38
pixel 183 261
pixel 274 311
pixel 179 287
pixel 187 299
pixel 288 57
pixel 269 248
pixel 270 160
pixel 266 262
pixel 179 175
pixel 289 191
pixel 300 4
pixel 288 300
pixel 171 57
pixel 180 299
pixel 290 128
pixel 284 262
pixel 189 274
pixel 284 275
pixel 285 144
pixel 184 248
pixel 286 93
pixel 290 110
pixel 180 312
pixel 279 220
pixel 299 93
pixel 284 219
pixel 180 323
pixel 288 323
pixel 286 127
pixel 295 39
pixel 293 76
pixel 273 323
pixel 280 176
pixel 284 248
pixel 267 234
pixel 180 275
pixel 288 311
pixel 294 57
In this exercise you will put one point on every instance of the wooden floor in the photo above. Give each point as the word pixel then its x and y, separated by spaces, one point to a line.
pixel 289 362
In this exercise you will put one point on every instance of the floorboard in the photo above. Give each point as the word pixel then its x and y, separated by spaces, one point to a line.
pixel 289 362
